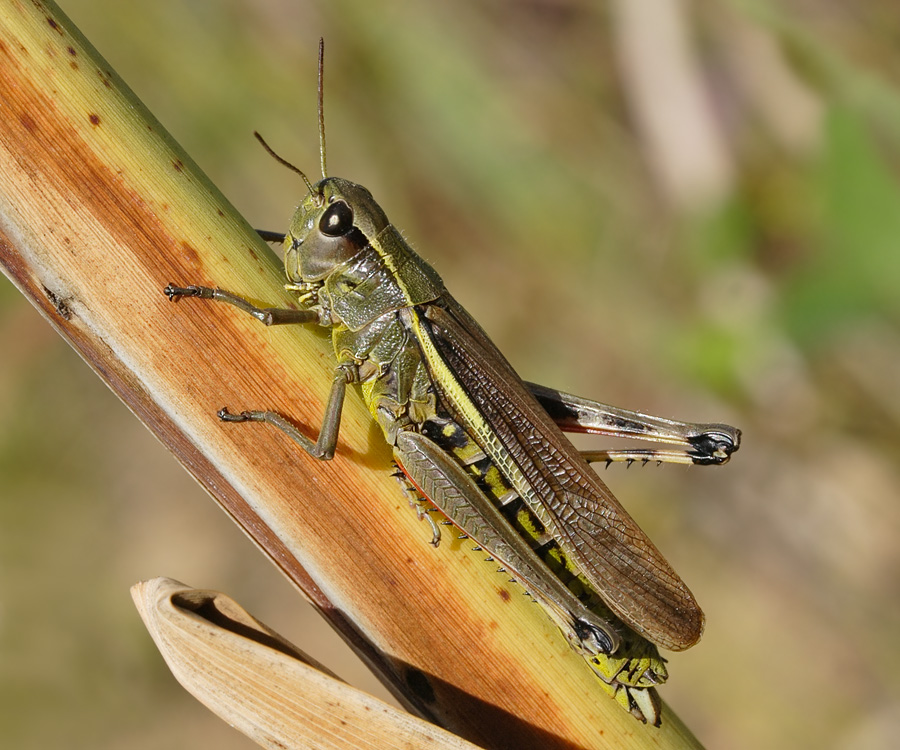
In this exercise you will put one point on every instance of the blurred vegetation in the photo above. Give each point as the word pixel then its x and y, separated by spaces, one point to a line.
pixel 688 208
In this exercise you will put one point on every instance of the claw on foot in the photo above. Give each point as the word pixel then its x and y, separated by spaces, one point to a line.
pixel 174 293
pixel 227 416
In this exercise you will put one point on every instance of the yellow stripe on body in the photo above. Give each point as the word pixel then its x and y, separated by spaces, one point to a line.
pixel 484 434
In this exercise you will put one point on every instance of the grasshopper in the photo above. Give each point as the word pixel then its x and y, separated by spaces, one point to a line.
pixel 481 445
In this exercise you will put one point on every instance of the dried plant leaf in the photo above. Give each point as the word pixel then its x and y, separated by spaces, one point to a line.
pixel 264 686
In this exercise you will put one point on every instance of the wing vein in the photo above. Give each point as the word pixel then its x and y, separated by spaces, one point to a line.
pixel 592 528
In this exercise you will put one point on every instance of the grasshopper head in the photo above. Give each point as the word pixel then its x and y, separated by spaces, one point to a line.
pixel 336 220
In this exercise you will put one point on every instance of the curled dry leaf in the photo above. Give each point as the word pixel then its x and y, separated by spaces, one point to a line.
pixel 263 685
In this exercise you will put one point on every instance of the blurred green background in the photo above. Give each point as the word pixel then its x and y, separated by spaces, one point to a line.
pixel 687 208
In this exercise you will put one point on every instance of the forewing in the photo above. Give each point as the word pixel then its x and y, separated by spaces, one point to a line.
pixel 589 524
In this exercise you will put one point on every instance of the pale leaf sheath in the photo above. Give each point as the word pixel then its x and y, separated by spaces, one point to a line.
pixel 264 686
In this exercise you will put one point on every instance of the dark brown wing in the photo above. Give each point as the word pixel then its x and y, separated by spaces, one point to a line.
pixel 589 524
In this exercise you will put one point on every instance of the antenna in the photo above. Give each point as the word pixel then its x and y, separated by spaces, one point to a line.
pixel 321 88
pixel 322 104
pixel 284 162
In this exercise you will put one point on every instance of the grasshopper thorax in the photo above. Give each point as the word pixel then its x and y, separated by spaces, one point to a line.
pixel 335 221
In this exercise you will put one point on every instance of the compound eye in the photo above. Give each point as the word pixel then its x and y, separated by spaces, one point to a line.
pixel 337 220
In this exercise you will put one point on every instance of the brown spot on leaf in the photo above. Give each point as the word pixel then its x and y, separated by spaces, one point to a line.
pixel 28 123
pixel 54 25
pixel 72 52
pixel 504 595
pixel 95 119
pixel 190 253
pixel 61 305
pixel 179 166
